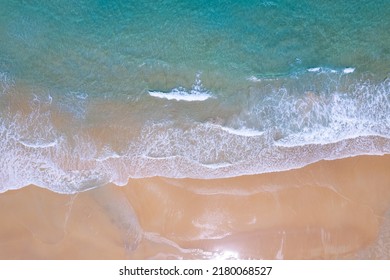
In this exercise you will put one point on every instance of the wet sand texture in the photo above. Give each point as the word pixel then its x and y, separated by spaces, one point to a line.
pixel 328 210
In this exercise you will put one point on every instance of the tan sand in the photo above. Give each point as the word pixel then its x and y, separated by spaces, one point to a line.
pixel 327 210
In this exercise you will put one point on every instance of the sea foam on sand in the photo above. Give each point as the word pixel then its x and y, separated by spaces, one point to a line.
pixel 329 209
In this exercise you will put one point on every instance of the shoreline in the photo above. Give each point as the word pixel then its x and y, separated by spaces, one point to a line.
pixel 336 209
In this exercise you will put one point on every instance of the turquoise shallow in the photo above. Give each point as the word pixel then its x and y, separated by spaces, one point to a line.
pixel 99 91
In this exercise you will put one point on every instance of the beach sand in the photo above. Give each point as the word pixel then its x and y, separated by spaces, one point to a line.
pixel 327 210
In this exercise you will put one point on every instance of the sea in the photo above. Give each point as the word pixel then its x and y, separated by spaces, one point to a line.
pixel 95 91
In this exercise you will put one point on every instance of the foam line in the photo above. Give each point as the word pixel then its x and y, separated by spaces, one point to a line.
pixel 196 93
pixel 179 95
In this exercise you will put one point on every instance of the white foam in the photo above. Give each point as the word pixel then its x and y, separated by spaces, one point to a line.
pixel 248 132
pixel 348 70
pixel 217 165
pixel 315 69
pixel 158 157
pixel 257 80
pixel 5 82
pixel 318 69
pixel 39 144
pixel 180 95
pixel 105 157
pixel 80 95
pixel 197 92
pixel 254 79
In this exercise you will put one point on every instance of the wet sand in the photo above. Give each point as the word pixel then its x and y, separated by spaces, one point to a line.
pixel 328 210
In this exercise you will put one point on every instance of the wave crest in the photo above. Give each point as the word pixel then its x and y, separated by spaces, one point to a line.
pixel 277 131
pixel 197 92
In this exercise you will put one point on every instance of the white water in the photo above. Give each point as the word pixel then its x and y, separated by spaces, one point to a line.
pixel 280 132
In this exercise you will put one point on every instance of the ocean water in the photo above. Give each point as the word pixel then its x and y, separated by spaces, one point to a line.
pixel 93 92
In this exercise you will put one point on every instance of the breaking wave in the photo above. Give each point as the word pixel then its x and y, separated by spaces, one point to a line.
pixel 197 92
pixel 46 146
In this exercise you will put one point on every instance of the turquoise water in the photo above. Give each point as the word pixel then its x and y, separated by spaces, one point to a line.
pixel 99 91
pixel 116 46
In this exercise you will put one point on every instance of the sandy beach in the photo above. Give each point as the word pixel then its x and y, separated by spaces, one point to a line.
pixel 194 130
pixel 327 210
